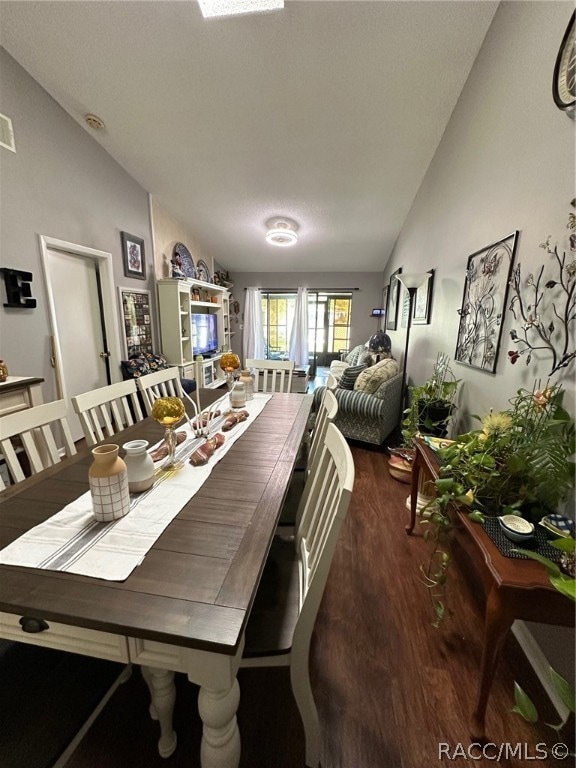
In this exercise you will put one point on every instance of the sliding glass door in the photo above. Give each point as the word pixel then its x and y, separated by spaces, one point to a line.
pixel 329 316
pixel 328 326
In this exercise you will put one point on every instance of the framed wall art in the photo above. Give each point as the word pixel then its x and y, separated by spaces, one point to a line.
pixel 136 314
pixel 133 256
pixel 423 302
pixel 393 296
pixel 483 304
pixel 384 307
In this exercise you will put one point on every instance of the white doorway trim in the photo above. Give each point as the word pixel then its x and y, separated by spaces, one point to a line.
pixel 105 267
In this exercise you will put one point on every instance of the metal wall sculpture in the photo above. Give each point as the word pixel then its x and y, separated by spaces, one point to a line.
pixel 483 304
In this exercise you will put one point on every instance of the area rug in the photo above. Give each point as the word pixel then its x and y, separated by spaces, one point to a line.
pixel 46 696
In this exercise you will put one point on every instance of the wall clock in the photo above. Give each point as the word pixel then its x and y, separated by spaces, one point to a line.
pixel 564 82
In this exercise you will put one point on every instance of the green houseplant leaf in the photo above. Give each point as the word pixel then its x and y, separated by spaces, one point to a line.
pixel 524 705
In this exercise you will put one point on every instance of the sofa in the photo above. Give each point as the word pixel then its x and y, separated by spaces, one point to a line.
pixel 370 411
pixel 354 357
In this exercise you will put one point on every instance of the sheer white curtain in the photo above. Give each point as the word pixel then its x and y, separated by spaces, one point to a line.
pixel 253 341
pixel 298 347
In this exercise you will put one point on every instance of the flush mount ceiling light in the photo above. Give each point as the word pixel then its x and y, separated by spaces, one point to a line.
pixel 212 8
pixel 281 232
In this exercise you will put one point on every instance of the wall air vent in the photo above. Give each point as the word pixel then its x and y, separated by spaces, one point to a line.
pixel 7 133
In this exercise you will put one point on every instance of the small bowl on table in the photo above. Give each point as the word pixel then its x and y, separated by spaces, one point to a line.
pixel 516 528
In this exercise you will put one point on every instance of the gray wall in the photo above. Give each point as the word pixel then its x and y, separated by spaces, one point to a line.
pixel 505 162
pixel 364 300
pixel 62 184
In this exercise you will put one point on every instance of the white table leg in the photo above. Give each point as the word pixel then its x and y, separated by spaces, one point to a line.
pixel 163 695
pixel 220 737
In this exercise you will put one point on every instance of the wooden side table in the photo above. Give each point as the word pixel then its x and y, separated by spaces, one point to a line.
pixel 515 589
pixel 20 392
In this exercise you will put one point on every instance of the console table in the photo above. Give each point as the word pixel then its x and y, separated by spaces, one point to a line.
pixel 515 589
pixel 20 392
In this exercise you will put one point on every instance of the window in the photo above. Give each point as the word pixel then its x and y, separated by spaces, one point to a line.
pixel 329 317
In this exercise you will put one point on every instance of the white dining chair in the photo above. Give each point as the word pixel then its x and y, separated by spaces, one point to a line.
pixel 331 382
pixel 107 410
pixel 297 492
pixel 293 581
pixel 164 383
pixel 326 414
pixel 272 375
pixel 30 431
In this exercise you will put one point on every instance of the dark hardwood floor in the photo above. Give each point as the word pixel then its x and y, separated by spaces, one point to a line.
pixel 390 688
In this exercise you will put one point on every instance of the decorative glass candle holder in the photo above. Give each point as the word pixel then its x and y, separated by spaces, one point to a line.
pixel 230 362
pixel 238 395
pixel 169 411
pixel 248 381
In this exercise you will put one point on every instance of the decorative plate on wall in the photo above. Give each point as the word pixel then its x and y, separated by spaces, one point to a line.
pixel 203 271
pixel 186 260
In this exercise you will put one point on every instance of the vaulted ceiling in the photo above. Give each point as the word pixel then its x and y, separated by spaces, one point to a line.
pixel 328 112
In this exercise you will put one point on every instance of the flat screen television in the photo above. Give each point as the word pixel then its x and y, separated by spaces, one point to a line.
pixel 204 334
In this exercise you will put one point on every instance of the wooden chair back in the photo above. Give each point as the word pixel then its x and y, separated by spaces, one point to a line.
pixel 105 411
pixel 326 414
pixel 276 375
pixel 31 430
pixel 164 383
pixel 294 590
pixel 331 381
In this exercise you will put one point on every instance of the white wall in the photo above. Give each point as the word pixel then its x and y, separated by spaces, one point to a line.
pixel 168 231
pixel 62 184
pixel 505 162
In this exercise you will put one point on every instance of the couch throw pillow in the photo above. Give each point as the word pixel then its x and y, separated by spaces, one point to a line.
pixel 135 367
pixel 365 358
pixel 156 362
pixel 370 379
pixel 350 375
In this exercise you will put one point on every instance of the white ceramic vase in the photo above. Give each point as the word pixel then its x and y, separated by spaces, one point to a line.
pixel 139 465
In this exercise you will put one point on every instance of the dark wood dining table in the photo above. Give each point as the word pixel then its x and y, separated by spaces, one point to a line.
pixel 185 607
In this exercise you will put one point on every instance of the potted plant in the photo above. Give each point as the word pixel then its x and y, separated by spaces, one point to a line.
pixel 519 462
pixel 432 404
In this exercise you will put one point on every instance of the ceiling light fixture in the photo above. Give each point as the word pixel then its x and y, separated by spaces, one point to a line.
pixel 281 232
pixel 211 8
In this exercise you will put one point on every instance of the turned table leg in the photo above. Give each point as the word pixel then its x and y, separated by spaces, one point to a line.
pixel 163 695
pixel 220 746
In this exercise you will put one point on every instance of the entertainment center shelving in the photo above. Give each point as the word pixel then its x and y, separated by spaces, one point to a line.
pixel 178 300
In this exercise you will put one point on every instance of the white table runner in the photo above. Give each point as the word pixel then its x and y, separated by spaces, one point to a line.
pixel 72 541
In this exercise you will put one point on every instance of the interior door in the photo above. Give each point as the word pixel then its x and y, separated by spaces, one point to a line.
pixel 82 359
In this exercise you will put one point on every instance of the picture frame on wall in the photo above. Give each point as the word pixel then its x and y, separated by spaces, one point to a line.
pixel 484 300
pixel 422 311
pixel 136 314
pixel 383 318
pixel 133 256
pixel 393 296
